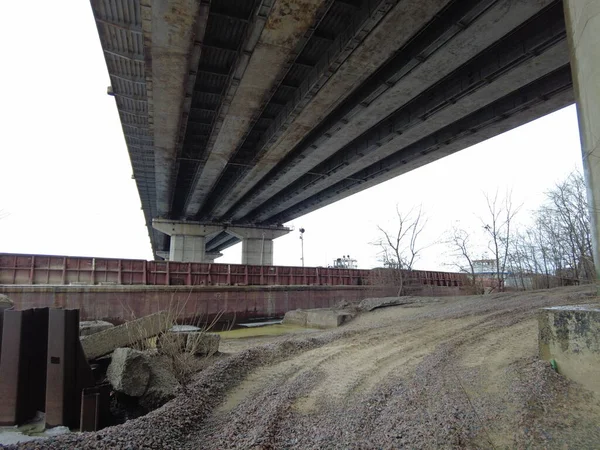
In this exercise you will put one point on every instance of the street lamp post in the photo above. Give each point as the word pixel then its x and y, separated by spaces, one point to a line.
pixel 302 244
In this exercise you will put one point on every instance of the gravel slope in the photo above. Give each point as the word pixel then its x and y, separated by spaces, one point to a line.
pixel 453 373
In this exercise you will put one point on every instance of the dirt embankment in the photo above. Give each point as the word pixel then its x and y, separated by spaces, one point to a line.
pixel 457 372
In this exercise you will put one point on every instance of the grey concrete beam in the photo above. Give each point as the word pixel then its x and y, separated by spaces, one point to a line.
pixel 583 24
pixel 422 116
pixel 535 107
pixel 286 24
pixel 377 47
pixel 486 29
pixel 172 29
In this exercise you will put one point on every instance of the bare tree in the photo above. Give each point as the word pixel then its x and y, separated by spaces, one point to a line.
pixel 459 241
pixel 498 228
pixel 399 250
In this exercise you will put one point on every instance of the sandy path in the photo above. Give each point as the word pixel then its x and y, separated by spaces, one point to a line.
pixel 467 366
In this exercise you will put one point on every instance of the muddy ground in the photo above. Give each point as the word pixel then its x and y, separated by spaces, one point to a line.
pixel 448 373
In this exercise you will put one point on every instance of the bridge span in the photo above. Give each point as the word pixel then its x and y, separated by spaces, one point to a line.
pixel 241 115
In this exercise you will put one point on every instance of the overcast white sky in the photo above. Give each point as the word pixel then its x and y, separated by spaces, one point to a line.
pixel 65 175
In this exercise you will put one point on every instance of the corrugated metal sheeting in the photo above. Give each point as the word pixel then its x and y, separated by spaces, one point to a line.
pixel 66 270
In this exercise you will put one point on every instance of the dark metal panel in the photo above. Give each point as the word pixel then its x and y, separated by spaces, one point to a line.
pixel 22 365
pixel 68 371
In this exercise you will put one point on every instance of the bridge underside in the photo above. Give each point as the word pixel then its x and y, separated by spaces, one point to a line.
pixel 255 112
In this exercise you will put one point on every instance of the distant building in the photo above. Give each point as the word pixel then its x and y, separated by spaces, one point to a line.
pixel 345 262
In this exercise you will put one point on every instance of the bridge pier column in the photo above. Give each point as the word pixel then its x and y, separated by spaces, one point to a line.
pixel 583 31
pixel 187 239
pixel 257 243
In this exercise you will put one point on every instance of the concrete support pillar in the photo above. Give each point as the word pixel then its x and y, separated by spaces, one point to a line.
pixel 583 32
pixel 257 243
pixel 187 239
pixel 258 252
pixel 187 248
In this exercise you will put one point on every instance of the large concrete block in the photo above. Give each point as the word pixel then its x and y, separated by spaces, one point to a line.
pixel 317 318
pixel 323 318
pixel 194 342
pixel 88 327
pixel 570 335
pixel 129 371
pixel 105 342
pixel 162 385
pixel 295 317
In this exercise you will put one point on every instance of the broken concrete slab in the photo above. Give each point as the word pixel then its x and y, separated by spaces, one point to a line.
pixel 318 318
pixel 129 371
pixel 200 343
pixel 162 385
pixel 369 304
pixel 88 327
pixel 196 343
pixel 295 317
pixel 105 342
pixel 570 335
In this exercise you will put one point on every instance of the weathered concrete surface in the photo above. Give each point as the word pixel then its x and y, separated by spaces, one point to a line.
pixel 532 113
pixel 369 304
pixel 170 28
pixel 187 238
pixel 377 47
pixel 287 23
pixel 571 336
pixel 492 25
pixel 193 342
pixel 88 327
pixel 129 371
pixel 162 385
pixel 318 318
pixel 551 59
pixel 583 31
pixel 129 333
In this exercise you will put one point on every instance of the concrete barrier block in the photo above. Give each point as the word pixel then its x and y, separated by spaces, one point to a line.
pixel 324 318
pixel 199 343
pixel 570 335
pixel 126 335
pixel 317 318
pixel 88 327
pixel 129 371
pixel 296 317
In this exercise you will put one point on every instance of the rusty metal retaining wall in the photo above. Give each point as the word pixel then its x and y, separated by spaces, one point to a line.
pixel 121 303
pixel 66 270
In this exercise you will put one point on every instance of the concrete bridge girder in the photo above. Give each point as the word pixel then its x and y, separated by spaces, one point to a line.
pixel 376 48
pixel 549 60
pixel 494 23
pixel 286 23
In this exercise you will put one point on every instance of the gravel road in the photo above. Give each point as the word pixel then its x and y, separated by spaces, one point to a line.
pixel 450 373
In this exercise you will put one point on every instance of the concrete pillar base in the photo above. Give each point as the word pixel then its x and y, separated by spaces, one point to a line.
pixel 188 239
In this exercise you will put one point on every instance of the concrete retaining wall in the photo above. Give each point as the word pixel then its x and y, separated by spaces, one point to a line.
pixel 570 335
